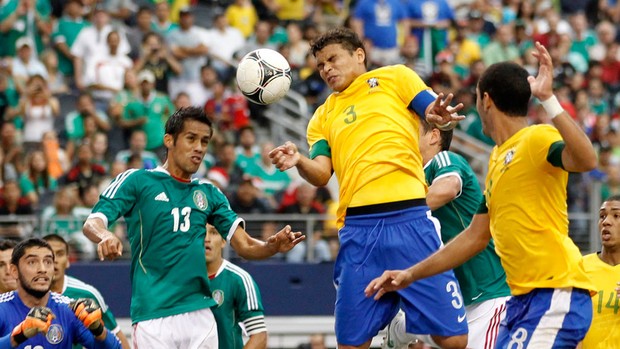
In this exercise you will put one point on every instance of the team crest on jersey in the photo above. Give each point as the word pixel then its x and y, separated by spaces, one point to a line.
pixel 509 156
pixel 54 334
pixel 372 82
pixel 200 199
pixel 218 297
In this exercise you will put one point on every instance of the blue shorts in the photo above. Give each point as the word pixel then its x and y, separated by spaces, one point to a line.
pixel 546 318
pixel 371 244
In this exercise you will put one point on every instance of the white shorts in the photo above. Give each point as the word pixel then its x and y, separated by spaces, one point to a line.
pixel 483 320
pixel 193 330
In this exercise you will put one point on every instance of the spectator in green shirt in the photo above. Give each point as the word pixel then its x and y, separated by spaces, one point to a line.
pixel 149 112
pixel 20 18
pixel 65 32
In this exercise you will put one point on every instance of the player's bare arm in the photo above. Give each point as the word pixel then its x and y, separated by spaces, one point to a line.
pixel 257 341
pixel 578 154
pixel 442 114
pixel 108 245
pixel 458 251
pixel 316 171
pixel 251 248
pixel 442 191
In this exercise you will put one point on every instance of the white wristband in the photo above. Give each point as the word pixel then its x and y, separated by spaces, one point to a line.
pixel 444 127
pixel 552 106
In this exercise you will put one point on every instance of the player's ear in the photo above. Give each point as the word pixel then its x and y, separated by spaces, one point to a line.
pixel 435 136
pixel 487 102
pixel 168 140
pixel 360 54
pixel 13 271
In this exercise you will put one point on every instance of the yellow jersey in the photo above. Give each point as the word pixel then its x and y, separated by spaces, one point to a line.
pixel 370 131
pixel 526 199
pixel 604 332
pixel 243 18
pixel 291 10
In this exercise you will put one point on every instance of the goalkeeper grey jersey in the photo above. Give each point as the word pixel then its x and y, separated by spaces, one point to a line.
pixel 166 226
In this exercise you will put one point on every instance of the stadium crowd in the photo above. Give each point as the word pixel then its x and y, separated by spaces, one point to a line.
pixel 86 87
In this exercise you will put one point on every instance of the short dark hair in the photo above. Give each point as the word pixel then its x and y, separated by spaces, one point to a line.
pixel 445 136
pixel 20 248
pixel 347 38
pixel 175 123
pixel 613 198
pixel 506 84
pixel 57 238
pixel 6 244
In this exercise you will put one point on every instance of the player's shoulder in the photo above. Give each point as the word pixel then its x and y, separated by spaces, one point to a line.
pixel 591 259
pixel 541 131
pixel 236 271
pixel 59 299
pixel 74 284
pixel 6 298
pixel 398 70
pixel 446 158
pixel 207 185
pixel 79 289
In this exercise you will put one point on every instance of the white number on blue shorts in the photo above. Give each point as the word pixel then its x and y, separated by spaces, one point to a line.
pixel 453 288
pixel 518 338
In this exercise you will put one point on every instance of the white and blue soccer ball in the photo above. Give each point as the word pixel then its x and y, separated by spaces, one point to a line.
pixel 264 76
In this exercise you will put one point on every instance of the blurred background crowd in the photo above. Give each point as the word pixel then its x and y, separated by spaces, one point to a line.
pixel 86 87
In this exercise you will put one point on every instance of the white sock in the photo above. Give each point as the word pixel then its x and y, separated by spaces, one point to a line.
pixel 402 337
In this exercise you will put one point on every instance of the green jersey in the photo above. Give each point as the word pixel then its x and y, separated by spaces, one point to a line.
pixel 166 225
pixel 74 288
pixel 22 26
pixel 66 30
pixel 74 124
pixel 238 300
pixel 482 277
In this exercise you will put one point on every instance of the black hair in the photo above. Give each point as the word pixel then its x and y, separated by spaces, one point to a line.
pixel 345 37
pixel 445 137
pixel 57 238
pixel 174 125
pixel 6 244
pixel 20 249
pixel 506 84
pixel 613 198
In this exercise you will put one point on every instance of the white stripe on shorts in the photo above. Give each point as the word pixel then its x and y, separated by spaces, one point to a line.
pixel 547 330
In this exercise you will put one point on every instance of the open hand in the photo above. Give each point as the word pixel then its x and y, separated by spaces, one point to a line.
pixel 389 281
pixel 542 84
pixel 441 112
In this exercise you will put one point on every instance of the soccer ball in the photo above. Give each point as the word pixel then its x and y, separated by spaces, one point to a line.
pixel 264 76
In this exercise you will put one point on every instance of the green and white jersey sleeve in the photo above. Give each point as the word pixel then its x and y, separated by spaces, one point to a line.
pixel 75 289
pixel 166 226
pixel 482 277
pixel 238 301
